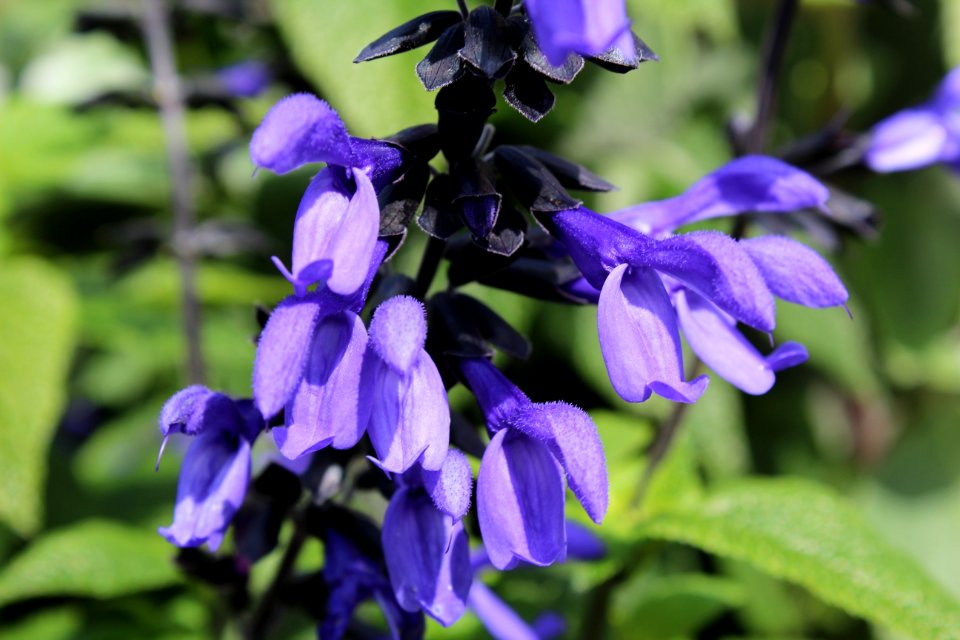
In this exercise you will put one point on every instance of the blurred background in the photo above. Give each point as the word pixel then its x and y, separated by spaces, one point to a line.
pixel 92 339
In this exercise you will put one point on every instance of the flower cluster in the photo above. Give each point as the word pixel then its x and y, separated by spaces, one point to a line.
pixel 334 389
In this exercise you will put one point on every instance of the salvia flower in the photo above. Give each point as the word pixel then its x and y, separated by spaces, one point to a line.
pixel 587 27
pixel 245 79
pixel 520 487
pixel 216 467
pixel 424 543
pixel 308 363
pixel 919 136
pixel 404 404
pixel 336 227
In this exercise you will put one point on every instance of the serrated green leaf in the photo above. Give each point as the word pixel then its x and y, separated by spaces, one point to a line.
pixel 375 98
pixel 37 321
pixel 803 533
pixel 95 558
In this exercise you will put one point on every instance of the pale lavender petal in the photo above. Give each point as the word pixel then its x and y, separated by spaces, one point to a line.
pixel 427 557
pixel 499 399
pixel 948 93
pixel 501 621
pixel 787 355
pixel 321 212
pixel 353 241
pixel 746 184
pixel 520 502
pixel 398 331
pixel 716 266
pixel 324 410
pixel 909 139
pixel 795 272
pixel 583 543
pixel 213 483
pixel 409 418
pixel 282 353
pixel 714 337
pixel 300 129
pixel 639 338
pixel 450 488
pixel 588 27
pixel 573 440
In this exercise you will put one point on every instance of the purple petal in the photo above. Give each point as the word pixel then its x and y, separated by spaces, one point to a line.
pixel 597 244
pixel 354 240
pixel 499 399
pixel 716 266
pixel 501 621
pixel 300 129
pixel 573 440
pixel 787 355
pixel 183 411
pixel 714 337
pixel 909 139
pixel 409 418
pixel 795 272
pixel 549 625
pixel 583 543
pixel 520 502
pixel 479 212
pixel 450 488
pixel 398 331
pixel 639 338
pixel 747 184
pixel 282 353
pixel 382 161
pixel 588 27
pixel 213 483
pixel 324 409
pixel 427 557
pixel 246 79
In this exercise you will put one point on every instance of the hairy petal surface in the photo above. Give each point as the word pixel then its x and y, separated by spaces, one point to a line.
pixel 639 338
pixel 520 502
pixel 451 486
pixel 795 272
pixel 300 129
pixel 398 331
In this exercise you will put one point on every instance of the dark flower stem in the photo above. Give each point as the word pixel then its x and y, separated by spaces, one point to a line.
pixel 264 613
pixel 503 7
pixel 428 266
pixel 464 10
pixel 169 97
pixel 770 70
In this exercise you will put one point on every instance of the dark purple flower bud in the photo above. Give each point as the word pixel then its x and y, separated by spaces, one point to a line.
pixel 405 408
pixel 246 79
pixel 587 27
pixel 216 468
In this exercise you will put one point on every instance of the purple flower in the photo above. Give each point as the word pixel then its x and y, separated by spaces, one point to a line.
pixel 338 219
pixel 245 79
pixel 424 543
pixel 702 283
pixel 405 403
pixel 587 27
pixel 520 487
pixel 926 134
pixel 216 468
pixel 308 363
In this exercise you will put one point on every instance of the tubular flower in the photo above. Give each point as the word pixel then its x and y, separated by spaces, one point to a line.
pixel 424 543
pixel 520 487
pixel 923 135
pixel 405 409
pixel 216 468
pixel 587 27
pixel 336 227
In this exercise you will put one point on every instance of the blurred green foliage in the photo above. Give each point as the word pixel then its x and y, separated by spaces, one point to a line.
pixel 91 342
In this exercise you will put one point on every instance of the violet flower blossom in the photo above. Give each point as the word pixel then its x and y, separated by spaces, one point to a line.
pixel 426 549
pixel 338 218
pixel 520 487
pixel 245 79
pixel 587 27
pixel 308 362
pixel 405 406
pixel 647 299
pixel 919 136
pixel 216 468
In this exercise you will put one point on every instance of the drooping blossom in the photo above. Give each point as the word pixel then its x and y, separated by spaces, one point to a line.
pixel 587 27
pixel 336 227
pixel 920 136
pixel 520 487
pixel 645 300
pixel 308 363
pixel 216 468
pixel 404 404
pixel 424 543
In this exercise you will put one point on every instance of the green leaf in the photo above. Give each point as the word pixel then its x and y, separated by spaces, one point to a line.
pixel 374 98
pixel 803 533
pixel 95 558
pixel 37 321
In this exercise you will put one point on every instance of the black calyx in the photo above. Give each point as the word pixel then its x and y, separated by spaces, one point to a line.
pixel 410 35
